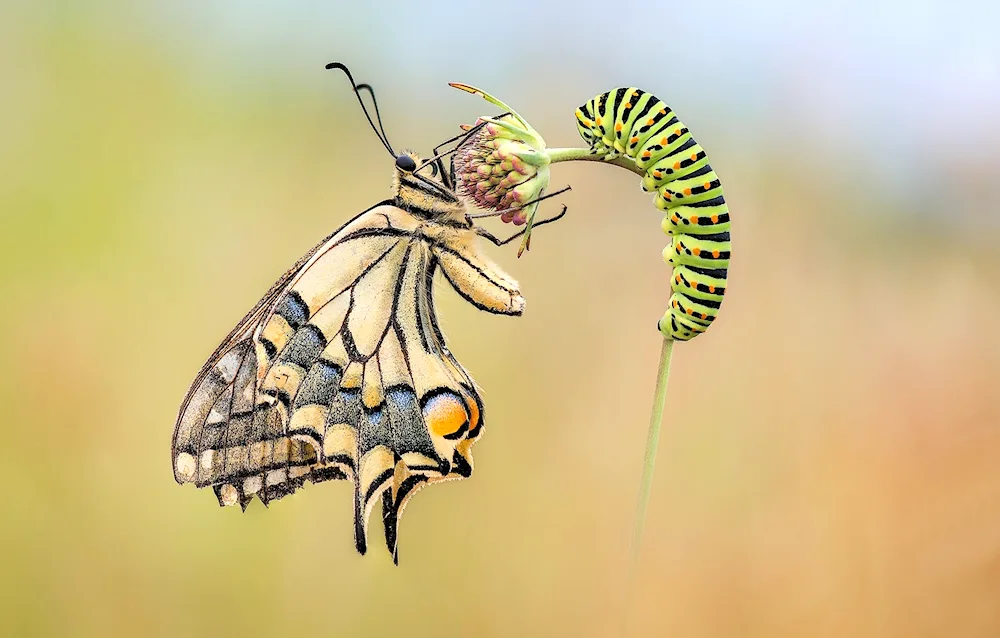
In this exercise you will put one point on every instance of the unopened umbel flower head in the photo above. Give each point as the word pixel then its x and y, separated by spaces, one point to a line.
pixel 499 170
pixel 503 166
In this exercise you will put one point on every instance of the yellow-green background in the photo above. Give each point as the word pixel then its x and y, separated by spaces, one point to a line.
pixel 830 459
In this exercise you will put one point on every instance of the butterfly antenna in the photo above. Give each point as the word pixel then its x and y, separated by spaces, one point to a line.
pixel 357 93
pixel 378 116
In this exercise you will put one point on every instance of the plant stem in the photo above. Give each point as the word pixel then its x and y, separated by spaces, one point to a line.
pixel 653 437
pixel 587 155
pixel 659 395
pixel 652 442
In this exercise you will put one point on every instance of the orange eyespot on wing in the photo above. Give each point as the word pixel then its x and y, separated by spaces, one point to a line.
pixel 446 416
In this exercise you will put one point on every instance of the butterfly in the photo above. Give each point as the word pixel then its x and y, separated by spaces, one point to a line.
pixel 341 371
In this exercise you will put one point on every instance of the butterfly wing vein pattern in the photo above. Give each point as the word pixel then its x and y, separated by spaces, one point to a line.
pixel 342 373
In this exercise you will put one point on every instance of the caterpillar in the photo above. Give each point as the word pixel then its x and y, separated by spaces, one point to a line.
pixel 635 124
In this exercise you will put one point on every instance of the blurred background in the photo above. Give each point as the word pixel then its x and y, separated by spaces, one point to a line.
pixel 830 457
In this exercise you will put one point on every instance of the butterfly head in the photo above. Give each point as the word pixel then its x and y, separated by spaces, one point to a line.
pixel 410 163
pixel 406 162
pixel 418 186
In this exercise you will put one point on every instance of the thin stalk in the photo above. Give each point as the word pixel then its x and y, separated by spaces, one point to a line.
pixel 652 441
pixel 659 395
pixel 653 437
pixel 587 155
pixel 645 485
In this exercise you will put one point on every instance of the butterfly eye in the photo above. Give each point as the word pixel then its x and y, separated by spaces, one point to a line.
pixel 406 163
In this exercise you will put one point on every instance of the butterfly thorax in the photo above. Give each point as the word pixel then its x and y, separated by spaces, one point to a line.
pixel 427 197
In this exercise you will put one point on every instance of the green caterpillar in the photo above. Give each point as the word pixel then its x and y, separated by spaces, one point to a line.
pixel 638 125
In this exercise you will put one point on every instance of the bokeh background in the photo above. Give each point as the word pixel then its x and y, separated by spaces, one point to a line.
pixel 830 460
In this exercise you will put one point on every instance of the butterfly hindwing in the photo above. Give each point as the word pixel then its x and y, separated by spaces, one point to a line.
pixel 342 372
pixel 226 383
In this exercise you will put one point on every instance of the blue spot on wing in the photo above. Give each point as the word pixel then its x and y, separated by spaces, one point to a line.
pixel 293 309
pixel 374 432
pixel 305 347
pixel 406 422
pixel 320 384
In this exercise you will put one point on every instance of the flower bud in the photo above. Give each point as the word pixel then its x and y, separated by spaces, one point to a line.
pixel 503 165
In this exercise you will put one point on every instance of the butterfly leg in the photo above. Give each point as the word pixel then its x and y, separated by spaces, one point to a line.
pixel 482 232
pixel 438 157
pixel 497 213
pixel 464 135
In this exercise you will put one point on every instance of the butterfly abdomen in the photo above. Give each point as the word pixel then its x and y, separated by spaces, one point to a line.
pixel 635 124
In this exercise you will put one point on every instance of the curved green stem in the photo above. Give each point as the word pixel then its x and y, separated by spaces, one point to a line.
pixel 653 437
pixel 659 395
pixel 587 155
